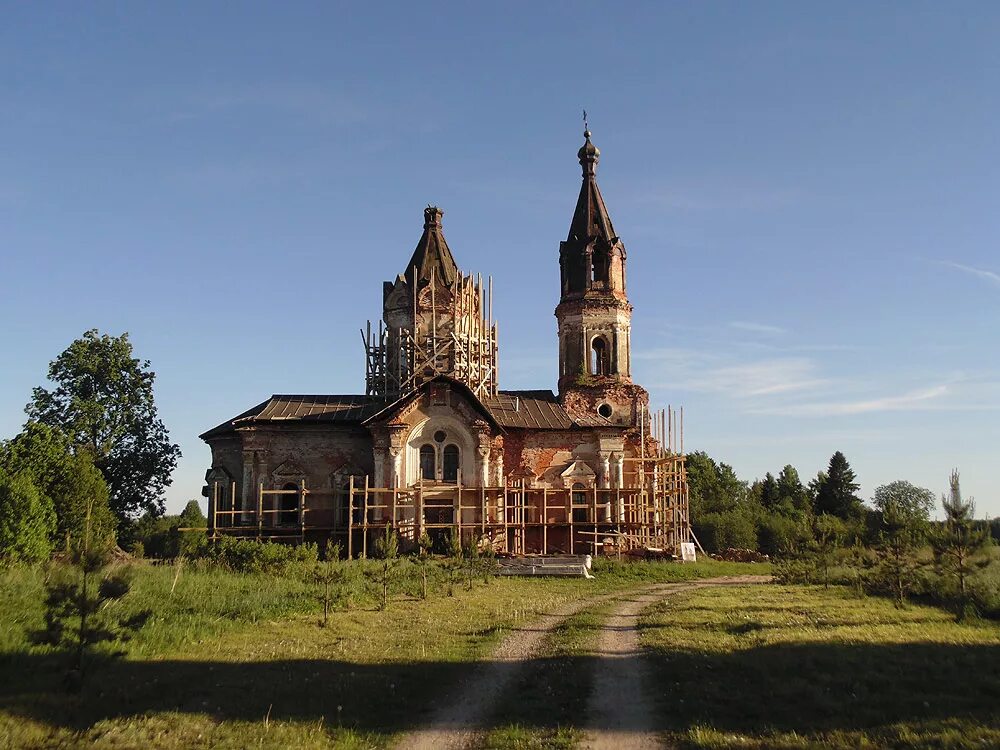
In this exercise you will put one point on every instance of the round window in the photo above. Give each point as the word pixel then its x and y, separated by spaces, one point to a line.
pixel 605 410
pixel 440 436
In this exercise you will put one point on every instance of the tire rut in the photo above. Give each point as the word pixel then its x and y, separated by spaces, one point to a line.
pixel 458 723
pixel 621 713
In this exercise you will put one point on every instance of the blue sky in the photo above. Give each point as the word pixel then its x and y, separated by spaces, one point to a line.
pixel 808 193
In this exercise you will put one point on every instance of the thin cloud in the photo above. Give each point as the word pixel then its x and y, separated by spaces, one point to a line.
pixel 746 325
pixel 990 277
pixel 911 401
pixel 703 372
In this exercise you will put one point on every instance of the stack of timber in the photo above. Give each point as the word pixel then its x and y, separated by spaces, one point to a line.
pixel 547 565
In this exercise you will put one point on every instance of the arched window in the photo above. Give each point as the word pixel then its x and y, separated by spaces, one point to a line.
pixel 450 463
pixel 599 357
pixel 427 462
pixel 289 505
pixel 599 267
pixel 579 503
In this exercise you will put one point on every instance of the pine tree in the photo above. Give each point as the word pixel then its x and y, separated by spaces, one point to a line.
pixel 837 494
pixel 77 594
pixel 425 543
pixel 792 496
pixel 329 576
pixel 387 550
pixel 901 534
pixel 769 492
pixel 958 543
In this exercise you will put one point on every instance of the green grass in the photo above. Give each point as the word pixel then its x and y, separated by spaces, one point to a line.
pixel 787 666
pixel 235 660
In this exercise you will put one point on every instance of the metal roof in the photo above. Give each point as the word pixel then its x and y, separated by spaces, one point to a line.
pixel 525 410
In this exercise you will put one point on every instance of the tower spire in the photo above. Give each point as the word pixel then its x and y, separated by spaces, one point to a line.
pixel 594 313
pixel 432 256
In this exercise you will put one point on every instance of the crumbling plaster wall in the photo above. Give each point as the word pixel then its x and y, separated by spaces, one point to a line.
pixel 279 454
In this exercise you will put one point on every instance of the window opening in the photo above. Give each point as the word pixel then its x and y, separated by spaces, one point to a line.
pixel 428 460
pixel 450 463
pixel 579 503
pixel 599 360
pixel 289 505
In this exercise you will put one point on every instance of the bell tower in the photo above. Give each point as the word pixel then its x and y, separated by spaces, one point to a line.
pixel 594 314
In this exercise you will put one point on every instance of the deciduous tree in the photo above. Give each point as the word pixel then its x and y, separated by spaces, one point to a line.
pixel 103 399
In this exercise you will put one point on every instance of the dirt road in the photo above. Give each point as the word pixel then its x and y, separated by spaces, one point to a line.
pixel 619 716
pixel 620 713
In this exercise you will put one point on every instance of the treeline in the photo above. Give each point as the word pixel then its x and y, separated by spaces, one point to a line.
pixel 823 531
pixel 777 514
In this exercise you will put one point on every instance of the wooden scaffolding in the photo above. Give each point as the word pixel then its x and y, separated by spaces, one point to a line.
pixel 455 334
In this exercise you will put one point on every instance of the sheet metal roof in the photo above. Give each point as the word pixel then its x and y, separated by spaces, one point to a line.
pixel 526 410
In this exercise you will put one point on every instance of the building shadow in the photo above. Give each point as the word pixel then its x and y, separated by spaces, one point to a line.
pixel 804 688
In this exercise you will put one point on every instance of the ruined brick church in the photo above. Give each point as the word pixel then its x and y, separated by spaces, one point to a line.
pixel 435 445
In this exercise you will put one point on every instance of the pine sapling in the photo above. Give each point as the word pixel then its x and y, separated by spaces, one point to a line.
pixel 454 563
pixel 328 576
pixel 387 549
pixel 958 543
pixel 423 560
pixel 77 599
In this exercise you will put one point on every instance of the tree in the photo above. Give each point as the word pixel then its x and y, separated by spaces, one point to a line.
pixel 901 533
pixel 714 487
pixel 769 493
pixel 387 550
pixel 424 544
pixel 329 577
pixel 103 399
pixel 77 616
pixel 192 517
pixel 836 495
pixel 959 541
pixel 793 498
pixel 906 501
pixel 903 513
pixel 829 532
pixel 454 561
pixel 27 520
pixel 69 480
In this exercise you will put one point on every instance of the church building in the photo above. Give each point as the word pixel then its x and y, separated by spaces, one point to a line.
pixel 435 445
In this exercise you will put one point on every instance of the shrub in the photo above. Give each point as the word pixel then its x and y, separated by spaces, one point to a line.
pixel 27 520
pixel 251 556
pixel 719 531
pixel 780 535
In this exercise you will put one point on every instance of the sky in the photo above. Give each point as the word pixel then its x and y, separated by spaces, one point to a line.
pixel 807 192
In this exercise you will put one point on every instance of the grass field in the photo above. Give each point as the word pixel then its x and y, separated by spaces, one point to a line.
pixel 234 660
pixel 790 667
pixel 239 660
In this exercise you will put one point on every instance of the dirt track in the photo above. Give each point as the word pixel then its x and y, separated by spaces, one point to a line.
pixel 619 714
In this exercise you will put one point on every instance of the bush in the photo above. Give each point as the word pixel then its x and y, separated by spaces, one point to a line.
pixel 780 535
pixel 719 531
pixel 251 556
pixel 27 520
